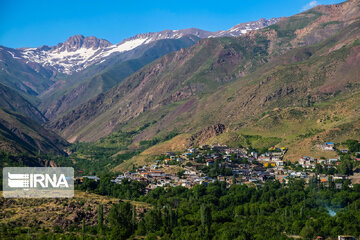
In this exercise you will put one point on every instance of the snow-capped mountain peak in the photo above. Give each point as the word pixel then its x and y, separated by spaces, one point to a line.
pixel 75 54
pixel 79 41
pixel 243 28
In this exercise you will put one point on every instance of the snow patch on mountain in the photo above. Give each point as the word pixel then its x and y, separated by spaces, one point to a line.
pixel 125 46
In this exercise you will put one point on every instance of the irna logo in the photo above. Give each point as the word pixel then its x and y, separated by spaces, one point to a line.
pixel 38 182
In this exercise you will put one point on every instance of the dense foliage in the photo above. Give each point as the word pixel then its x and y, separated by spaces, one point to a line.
pixel 101 156
pixel 273 211
pixel 127 190
pixel 270 212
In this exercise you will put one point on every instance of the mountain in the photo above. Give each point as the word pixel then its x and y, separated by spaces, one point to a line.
pixel 19 134
pixel 79 52
pixel 296 66
pixel 243 28
pixel 75 54
pixel 27 77
pixel 57 79
pixel 12 100
pixel 81 87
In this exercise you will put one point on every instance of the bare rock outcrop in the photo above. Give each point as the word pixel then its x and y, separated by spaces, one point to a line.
pixel 207 133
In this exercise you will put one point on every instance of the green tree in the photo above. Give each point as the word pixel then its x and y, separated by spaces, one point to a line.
pixel 346 167
pixel 307 232
pixel 206 219
pixel 353 145
pixel 83 228
pixel 133 219
pixel 234 180
pixel 153 220
pixel 100 219
pixel 331 183
pixel 313 182
pixel 120 218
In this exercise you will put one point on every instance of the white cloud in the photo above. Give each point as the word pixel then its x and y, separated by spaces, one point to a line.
pixel 310 5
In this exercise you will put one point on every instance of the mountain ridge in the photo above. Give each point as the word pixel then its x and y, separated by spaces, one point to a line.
pixel 79 52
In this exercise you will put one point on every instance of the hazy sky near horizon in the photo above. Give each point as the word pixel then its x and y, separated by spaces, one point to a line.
pixel 34 23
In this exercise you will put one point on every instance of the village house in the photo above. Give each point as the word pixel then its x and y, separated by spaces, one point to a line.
pixel 298 175
pixel 307 162
pixel 209 162
pixel 170 154
pixel 339 177
pixel 333 160
pixel 118 179
pixel 280 154
pixel 279 163
pixel 328 146
pixel 187 155
pixel 189 172
pixel 204 147
pixel 338 186
pixel 322 161
pixel 154 166
pixel 264 158
pixel 156 174
pixel 275 158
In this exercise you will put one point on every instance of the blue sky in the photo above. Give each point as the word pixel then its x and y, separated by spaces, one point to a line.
pixel 25 23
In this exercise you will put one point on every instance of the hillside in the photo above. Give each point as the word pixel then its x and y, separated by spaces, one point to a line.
pixel 19 134
pixel 44 217
pixel 304 60
pixel 12 100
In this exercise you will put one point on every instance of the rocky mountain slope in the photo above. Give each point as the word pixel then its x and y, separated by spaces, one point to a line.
pixel 243 28
pixel 13 101
pixel 298 62
pixel 27 77
pixel 19 134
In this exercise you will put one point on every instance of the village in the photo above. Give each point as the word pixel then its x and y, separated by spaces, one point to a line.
pixel 206 164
